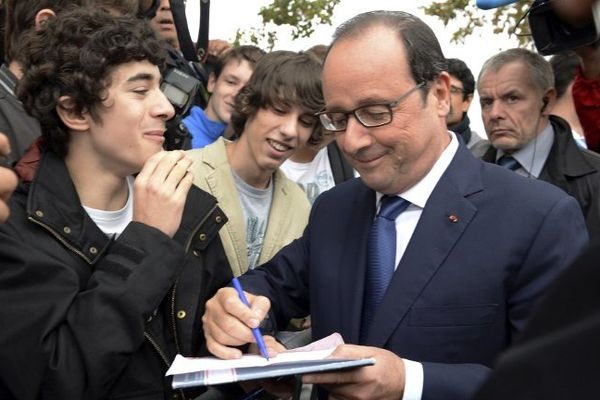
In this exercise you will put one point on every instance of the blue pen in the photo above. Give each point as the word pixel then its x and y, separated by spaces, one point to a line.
pixel 255 331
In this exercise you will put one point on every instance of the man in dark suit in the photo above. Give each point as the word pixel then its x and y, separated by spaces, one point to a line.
pixel 517 94
pixel 474 249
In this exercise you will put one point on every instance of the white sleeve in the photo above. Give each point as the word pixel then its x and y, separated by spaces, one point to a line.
pixel 413 380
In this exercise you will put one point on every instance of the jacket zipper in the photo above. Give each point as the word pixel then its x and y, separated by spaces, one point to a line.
pixel 174 291
pixel 157 348
pixel 173 321
pixel 61 240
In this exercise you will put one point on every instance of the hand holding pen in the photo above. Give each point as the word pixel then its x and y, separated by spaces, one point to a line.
pixel 227 320
pixel 260 342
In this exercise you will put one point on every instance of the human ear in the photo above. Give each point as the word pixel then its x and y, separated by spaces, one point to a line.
pixel 440 89
pixel 42 17
pixel 72 118
pixel 548 101
pixel 212 81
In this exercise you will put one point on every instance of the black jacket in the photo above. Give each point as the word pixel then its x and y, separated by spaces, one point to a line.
pixel 340 167
pixel 557 356
pixel 89 317
pixel 573 169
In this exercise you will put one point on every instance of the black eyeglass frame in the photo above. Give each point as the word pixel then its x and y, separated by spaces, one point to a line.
pixel 456 89
pixel 390 106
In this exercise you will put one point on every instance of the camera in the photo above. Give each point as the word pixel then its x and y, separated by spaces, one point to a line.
pixel 184 78
pixel 551 35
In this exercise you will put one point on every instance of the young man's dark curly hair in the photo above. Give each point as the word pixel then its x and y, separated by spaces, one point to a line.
pixel 281 79
pixel 74 56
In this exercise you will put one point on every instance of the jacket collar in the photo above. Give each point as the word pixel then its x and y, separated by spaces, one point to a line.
pixel 53 203
pixel 566 159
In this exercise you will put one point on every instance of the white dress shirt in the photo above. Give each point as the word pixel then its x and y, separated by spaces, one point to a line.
pixel 406 223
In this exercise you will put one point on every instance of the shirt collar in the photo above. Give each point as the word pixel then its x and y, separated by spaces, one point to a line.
pixel 419 193
pixel 533 156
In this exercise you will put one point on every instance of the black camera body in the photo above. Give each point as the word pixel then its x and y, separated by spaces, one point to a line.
pixel 552 35
pixel 184 85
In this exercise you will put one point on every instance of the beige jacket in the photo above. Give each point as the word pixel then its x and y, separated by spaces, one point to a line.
pixel 287 218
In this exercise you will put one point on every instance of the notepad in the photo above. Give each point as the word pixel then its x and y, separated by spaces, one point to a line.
pixel 200 371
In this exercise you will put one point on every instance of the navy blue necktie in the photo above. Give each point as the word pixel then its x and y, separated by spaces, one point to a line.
pixel 381 257
pixel 508 162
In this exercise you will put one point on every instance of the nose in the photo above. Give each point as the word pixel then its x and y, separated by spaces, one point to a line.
pixel 163 108
pixel 290 126
pixel 355 137
pixel 495 110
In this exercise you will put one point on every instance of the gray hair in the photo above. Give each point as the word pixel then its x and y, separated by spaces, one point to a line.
pixel 538 68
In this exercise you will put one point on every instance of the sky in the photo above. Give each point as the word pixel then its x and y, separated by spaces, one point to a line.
pixel 226 16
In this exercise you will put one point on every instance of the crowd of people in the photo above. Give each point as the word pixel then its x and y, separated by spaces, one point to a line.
pixel 348 195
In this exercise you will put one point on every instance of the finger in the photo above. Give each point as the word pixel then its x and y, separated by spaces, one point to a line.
pixel 272 345
pixel 252 317
pixel 229 331
pixel 183 187
pixel 4 145
pixel 8 183
pixel 219 350
pixel 260 306
pixel 149 168
pixel 351 351
pixel 333 378
pixel 166 165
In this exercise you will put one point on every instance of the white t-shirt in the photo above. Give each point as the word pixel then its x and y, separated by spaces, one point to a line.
pixel 114 222
pixel 314 177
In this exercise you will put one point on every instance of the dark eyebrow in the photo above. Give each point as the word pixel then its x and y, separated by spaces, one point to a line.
pixel 368 101
pixel 512 92
pixel 142 76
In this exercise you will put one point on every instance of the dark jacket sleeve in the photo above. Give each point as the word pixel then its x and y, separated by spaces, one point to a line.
pixel 71 327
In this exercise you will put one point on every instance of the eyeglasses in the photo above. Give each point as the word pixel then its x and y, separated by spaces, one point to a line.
pixel 369 116
pixel 456 89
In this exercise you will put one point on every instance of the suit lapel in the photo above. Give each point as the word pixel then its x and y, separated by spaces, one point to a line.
pixel 445 217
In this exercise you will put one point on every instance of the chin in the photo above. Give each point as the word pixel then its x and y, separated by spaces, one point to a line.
pixel 507 146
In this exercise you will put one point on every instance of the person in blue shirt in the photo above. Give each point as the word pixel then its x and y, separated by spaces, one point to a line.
pixel 229 75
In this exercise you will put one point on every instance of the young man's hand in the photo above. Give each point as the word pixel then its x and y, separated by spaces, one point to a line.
pixel 8 180
pixel 161 189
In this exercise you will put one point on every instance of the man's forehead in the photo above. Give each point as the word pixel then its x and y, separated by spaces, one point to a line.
pixel 508 75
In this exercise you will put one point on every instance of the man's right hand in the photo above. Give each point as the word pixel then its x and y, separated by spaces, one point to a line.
pixel 161 189
pixel 228 322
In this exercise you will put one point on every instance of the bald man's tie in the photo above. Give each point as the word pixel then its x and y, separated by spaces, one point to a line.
pixel 381 257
